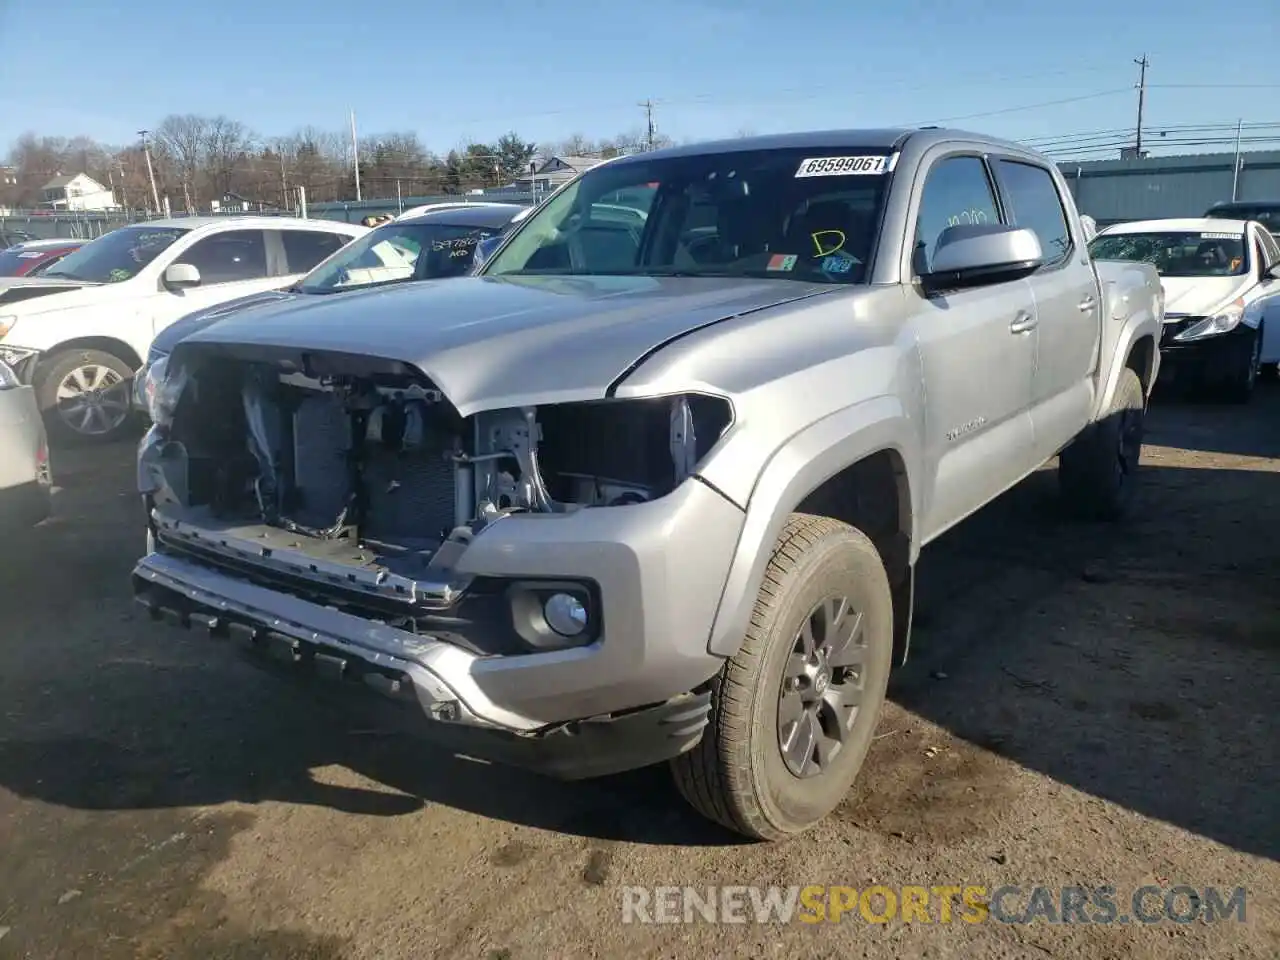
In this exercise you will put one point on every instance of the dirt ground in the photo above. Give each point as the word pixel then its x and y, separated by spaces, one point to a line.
pixel 1085 705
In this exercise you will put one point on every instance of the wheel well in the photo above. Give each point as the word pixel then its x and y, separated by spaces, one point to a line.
pixel 117 348
pixel 1141 358
pixel 874 495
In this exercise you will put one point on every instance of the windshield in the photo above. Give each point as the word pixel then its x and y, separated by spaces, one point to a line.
pixel 1177 253
pixel 801 214
pixel 397 252
pixel 1268 215
pixel 117 255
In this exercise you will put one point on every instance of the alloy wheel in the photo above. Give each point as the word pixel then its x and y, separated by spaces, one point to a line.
pixel 93 399
pixel 822 686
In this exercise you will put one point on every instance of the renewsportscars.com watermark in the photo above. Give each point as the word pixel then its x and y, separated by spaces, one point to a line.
pixel 969 903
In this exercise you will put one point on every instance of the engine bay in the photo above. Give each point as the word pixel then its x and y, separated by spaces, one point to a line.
pixel 370 453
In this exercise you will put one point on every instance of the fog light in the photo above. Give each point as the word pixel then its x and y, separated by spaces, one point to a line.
pixel 565 614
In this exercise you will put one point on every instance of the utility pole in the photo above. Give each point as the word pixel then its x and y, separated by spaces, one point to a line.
pixel 1235 167
pixel 151 174
pixel 284 183
pixel 647 106
pixel 1142 98
pixel 355 154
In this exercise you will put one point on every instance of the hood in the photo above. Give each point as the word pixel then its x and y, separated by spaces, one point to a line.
pixel 182 328
pixel 54 293
pixel 17 289
pixel 488 342
pixel 1197 296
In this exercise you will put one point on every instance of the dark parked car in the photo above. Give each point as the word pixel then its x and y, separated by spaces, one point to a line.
pixel 9 238
pixel 1266 212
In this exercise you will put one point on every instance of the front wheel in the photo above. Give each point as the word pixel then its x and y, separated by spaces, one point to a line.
pixel 85 396
pixel 793 712
pixel 1240 388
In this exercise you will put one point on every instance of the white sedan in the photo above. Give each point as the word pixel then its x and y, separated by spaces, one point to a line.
pixel 1221 282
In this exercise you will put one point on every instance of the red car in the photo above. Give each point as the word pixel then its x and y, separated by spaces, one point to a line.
pixel 34 256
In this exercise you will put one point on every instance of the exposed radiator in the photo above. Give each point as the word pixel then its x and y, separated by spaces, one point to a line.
pixel 321 438
pixel 410 495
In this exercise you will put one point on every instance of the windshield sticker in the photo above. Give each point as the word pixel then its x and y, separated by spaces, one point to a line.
pixel 834 241
pixel 840 264
pixel 783 261
pixel 845 166
pixel 1220 236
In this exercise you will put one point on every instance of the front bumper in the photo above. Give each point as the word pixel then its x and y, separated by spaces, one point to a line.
pixel 623 701
pixel 1211 360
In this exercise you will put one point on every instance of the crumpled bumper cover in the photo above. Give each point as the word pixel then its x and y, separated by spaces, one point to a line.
pixel 415 697
pixel 659 568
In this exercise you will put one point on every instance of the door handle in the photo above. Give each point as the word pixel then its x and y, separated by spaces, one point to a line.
pixel 1023 323
pixel 1087 304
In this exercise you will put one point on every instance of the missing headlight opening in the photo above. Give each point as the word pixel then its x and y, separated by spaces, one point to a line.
pixel 367 452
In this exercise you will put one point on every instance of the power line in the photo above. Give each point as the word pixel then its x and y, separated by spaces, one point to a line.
pixel 1028 106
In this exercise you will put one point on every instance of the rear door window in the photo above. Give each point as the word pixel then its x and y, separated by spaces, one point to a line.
pixel 1034 203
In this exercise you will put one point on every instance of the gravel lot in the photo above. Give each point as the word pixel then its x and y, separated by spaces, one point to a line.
pixel 1085 705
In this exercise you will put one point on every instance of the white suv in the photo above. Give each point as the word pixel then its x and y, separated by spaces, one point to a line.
pixel 80 345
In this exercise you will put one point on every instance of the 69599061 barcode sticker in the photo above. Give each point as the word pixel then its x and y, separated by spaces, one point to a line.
pixel 845 166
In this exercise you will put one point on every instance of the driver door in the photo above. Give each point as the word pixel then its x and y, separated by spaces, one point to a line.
pixel 978 349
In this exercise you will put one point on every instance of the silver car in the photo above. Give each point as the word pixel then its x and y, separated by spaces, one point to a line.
pixel 652 486
pixel 24 456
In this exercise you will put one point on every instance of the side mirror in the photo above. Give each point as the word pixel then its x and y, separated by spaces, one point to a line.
pixel 971 255
pixel 179 276
pixel 1273 273
pixel 484 250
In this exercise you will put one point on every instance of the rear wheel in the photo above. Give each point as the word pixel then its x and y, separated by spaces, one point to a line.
pixel 1097 472
pixel 793 712
pixel 84 396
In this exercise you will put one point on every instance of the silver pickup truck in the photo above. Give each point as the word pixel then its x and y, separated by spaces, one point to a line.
pixel 652 487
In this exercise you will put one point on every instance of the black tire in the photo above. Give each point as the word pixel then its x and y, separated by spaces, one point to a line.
pixel 1097 472
pixel 1240 388
pixel 96 367
pixel 737 775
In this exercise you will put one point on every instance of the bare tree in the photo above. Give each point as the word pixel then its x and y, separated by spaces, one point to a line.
pixel 575 145
pixel 182 138
pixel 227 143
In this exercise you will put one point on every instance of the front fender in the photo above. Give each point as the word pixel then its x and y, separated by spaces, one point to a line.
pixel 797 468
pixel 1134 309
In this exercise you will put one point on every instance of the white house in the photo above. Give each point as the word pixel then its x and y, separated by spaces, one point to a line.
pixel 554 171
pixel 78 192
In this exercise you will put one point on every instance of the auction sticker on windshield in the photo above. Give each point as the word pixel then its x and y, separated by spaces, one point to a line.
pixel 845 166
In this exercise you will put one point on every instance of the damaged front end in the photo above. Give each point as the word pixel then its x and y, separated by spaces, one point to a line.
pixel 351 484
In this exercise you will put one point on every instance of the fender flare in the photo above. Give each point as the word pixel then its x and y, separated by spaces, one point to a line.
pixel 1134 329
pixel 799 466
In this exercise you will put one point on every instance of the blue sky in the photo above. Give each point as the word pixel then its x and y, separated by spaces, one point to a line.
pixel 454 71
